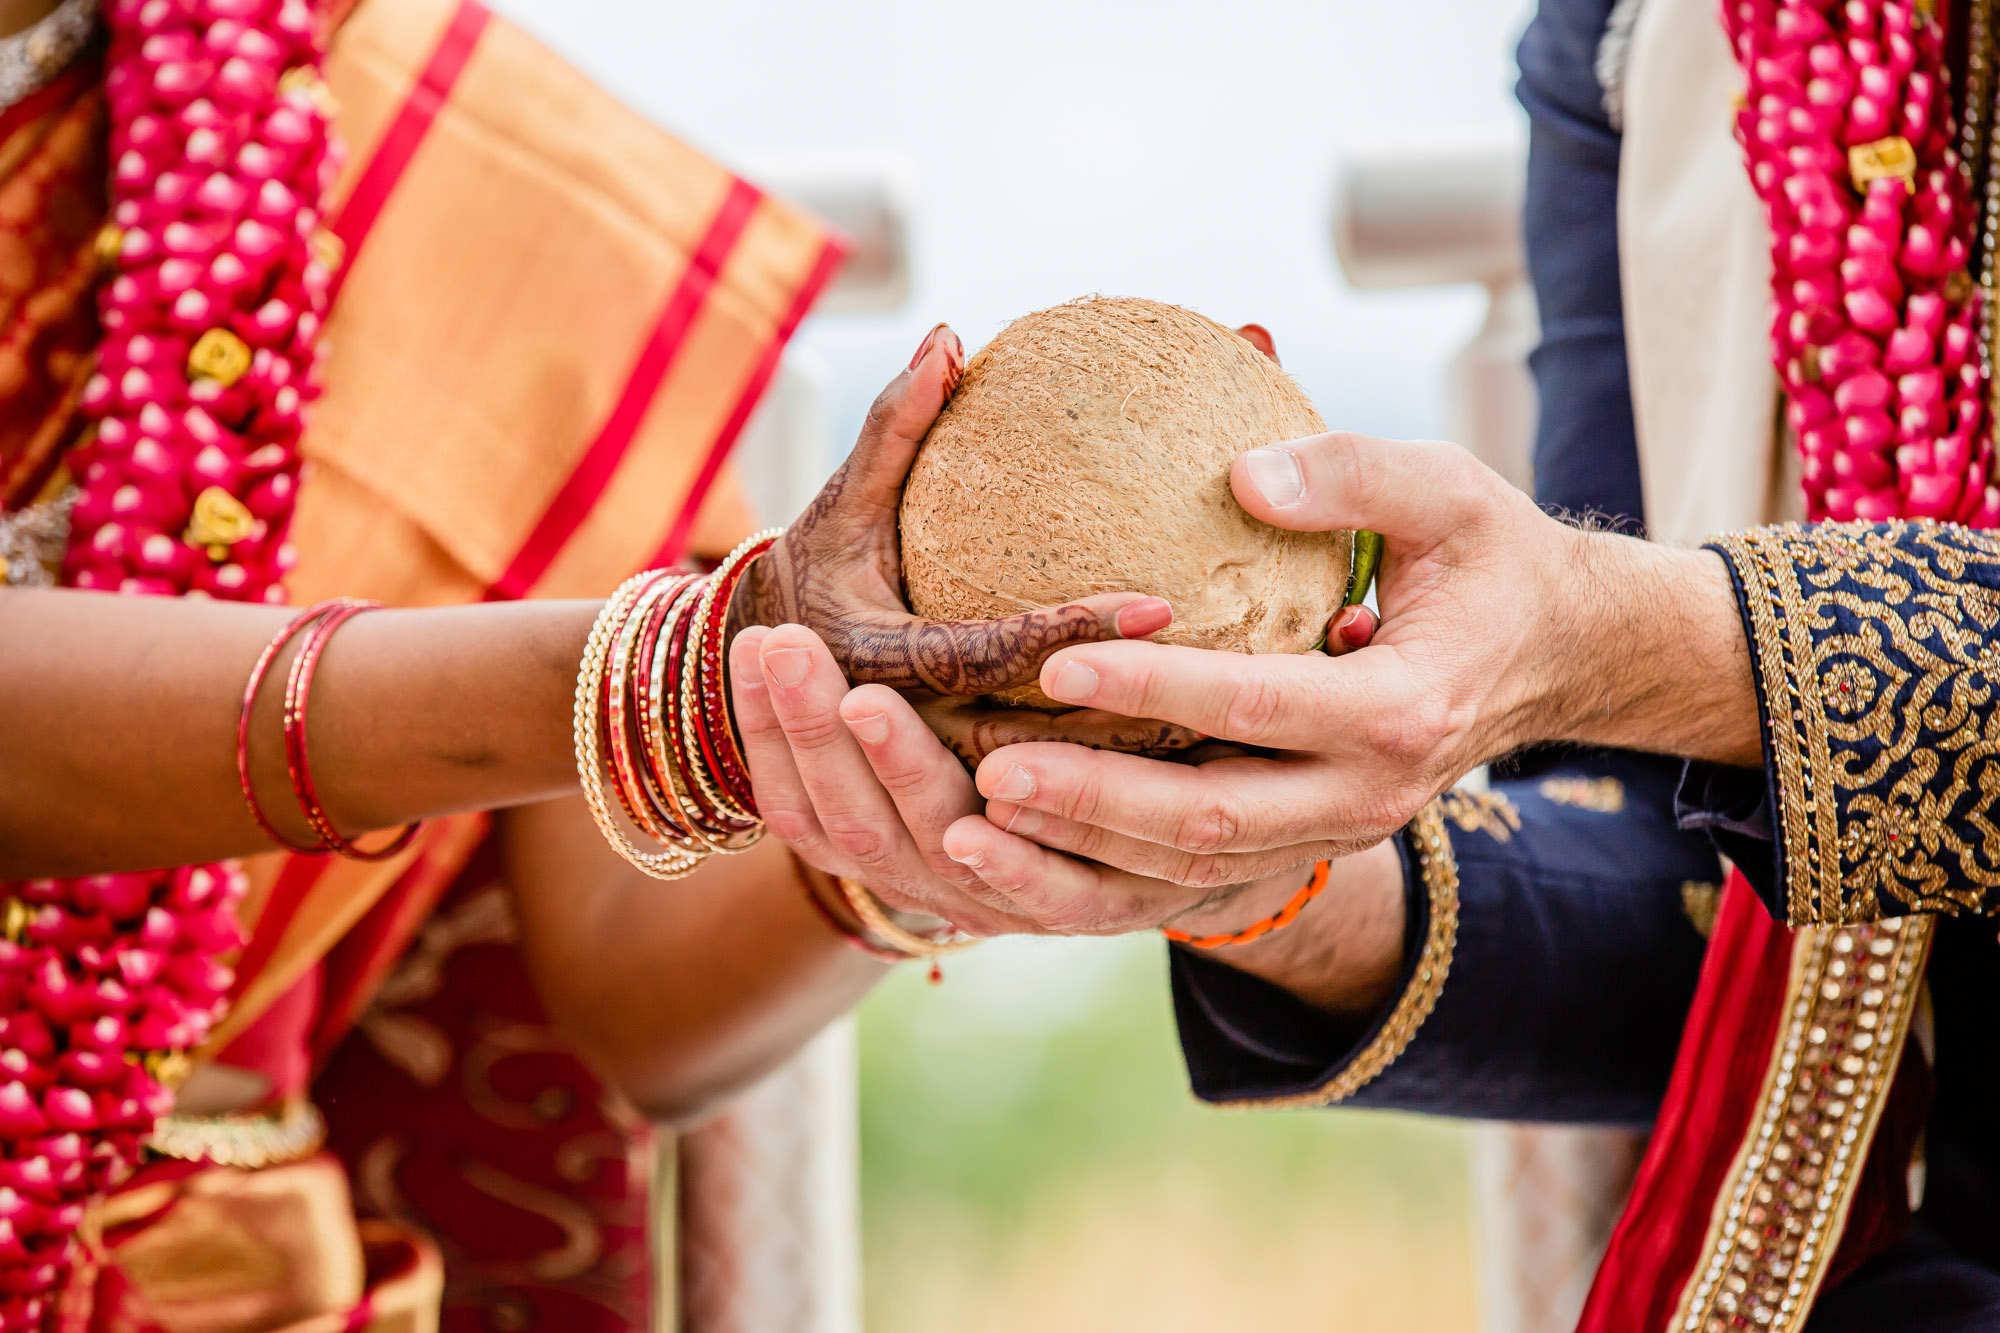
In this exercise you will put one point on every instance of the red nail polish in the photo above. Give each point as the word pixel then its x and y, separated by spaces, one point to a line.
pixel 924 347
pixel 1356 627
pixel 1142 618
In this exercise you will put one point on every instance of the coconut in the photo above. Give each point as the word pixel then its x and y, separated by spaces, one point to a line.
pixel 1087 450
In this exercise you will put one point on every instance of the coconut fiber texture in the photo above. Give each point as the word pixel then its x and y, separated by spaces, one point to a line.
pixel 1087 450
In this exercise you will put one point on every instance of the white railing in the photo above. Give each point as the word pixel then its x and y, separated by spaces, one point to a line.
pixel 1434 214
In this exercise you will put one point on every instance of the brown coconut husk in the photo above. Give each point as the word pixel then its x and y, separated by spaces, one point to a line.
pixel 1087 450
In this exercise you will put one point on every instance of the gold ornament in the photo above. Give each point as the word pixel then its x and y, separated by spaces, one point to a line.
pixel 14 918
pixel 1884 159
pixel 220 520
pixel 328 249
pixel 109 244
pixel 219 355
pixel 306 79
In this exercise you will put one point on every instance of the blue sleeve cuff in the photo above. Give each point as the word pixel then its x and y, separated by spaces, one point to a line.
pixel 1574 963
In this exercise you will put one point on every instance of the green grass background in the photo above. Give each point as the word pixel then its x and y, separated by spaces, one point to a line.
pixel 1032 1158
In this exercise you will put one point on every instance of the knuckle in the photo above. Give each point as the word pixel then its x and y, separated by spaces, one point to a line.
pixel 1208 872
pixel 1361 471
pixel 813 731
pixel 1082 802
pixel 1254 709
pixel 863 844
pixel 791 826
pixel 1407 737
pixel 1212 825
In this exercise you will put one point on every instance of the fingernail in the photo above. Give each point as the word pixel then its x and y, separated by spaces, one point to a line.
pixel 1275 475
pixel 1017 785
pixel 1357 626
pixel 1142 618
pixel 924 347
pixel 871 728
pixel 1024 821
pixel 788 666
pixel 1073 683
pixel 973 859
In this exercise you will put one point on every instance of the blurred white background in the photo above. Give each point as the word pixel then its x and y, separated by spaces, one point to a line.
pixel 1031 1156
pixel 1181 150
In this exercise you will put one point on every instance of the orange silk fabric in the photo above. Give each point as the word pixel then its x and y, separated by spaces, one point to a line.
pixel 52 200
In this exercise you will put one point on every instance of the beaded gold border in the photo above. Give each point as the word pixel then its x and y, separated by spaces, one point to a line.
pixel 1794 728
pixel 247 1142
pixel 1440 872
pixel 1777 1222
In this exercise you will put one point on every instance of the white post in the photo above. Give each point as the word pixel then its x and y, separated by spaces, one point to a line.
pixel 770 1209
pixel 1544 1197
pixel 764 1200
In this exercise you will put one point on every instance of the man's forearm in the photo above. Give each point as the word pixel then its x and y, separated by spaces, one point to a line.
pixel 1344 954
pixel 1648 653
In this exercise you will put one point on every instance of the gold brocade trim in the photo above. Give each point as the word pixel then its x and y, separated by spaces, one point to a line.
pixel 1779 1216
pixel 248 1142
pixel 1601 795
pixel 1488 812
pixel 1440 871
pixel 1878 659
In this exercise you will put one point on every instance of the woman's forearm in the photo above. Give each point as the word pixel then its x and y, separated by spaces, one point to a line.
pixel 118 723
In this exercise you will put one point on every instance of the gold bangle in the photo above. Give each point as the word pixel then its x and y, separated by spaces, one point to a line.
pixel 906 942
pixel 674 863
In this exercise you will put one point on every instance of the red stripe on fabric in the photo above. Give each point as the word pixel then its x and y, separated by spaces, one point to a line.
pixel 66 88
pixel 294 884
pixel 408 129
pixel 830 256
pixel 593 472
pixel 1717 1086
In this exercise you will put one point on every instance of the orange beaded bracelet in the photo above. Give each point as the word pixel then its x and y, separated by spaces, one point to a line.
pixel 1283 917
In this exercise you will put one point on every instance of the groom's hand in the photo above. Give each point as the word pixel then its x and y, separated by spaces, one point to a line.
pixel 1499 627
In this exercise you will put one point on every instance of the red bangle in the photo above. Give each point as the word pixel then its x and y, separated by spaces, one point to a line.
pixel 250 692
pixel 853 938
pixel 298 696
pixel 1283 917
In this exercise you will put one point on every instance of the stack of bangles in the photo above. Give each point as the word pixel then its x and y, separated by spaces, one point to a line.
pixel 318 623
pixel 652 711
pixel 1257 930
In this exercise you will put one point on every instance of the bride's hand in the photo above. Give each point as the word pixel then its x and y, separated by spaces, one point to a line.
pixel 838 569
pixel 857 785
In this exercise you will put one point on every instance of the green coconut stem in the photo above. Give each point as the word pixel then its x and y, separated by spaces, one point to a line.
pixel 1367 558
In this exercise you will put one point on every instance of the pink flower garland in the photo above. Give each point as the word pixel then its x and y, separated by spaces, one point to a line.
pixel 221 153
pixel 1847 125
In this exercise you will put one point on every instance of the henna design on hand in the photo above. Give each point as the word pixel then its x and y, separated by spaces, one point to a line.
pixel 838 569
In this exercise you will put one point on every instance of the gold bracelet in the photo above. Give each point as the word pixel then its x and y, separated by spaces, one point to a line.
pixel 247 1142
pixel 868 909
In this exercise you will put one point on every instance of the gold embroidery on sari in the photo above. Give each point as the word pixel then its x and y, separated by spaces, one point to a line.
pixel 1878 652
pixel 1778 1218
pixel 1439 867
